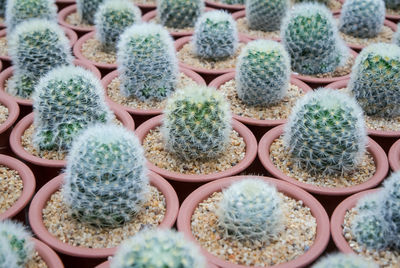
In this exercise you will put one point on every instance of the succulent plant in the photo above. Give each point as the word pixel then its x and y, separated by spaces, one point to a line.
pixel 262 73
pixel 18 11
pixel 393 4
pixel 158 249
pixel 179 14
pixel 2 8
pixel 396 36
pixel 341 260
pixel 87 10
pixel 250 210
pixel 215 35
pixel 266 15
pixel 147 62
pixel 106 182
pixel 310 35
pixel 233 2
pixel 391 206
pixel 317 1
pixel 362 18
pixel 326 132
pixel 197 123
pixel 66 101
pixel 111 20
pixel 16 247
pixel 375 80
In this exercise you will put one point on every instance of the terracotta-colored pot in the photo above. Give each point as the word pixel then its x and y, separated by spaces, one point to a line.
pixel 25 105
pixel 141 115
pixel 29 185
pixel 47 254
pixel 64 13
pixel 5 128
pixel 337 220
pixel 330 196
pixel 107 265
pixel 45 169
pixel 202 193
pixel 394 156
pixel 227 7
pixel 394 18
pixel 384 138
pixel 97 255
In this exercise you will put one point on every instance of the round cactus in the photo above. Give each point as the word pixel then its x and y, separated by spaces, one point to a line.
pixel 266 15
pixel 215 35
pixel 197 123
pixel 362 18
pixel 251 210
pixel 233 2
pixel 318 1
pixel 106 182
pixel 262 73
pixel 326 132
pixel 18 11
pixel 67 100
pixel 310 35
pixel 370 203
pixel 158 249
pixel 396 36
pixel 147 62
pixel 391 206
pixel 87 10
pixel 393 4
pixel 179 14
pixel 341 260
pixel 112 18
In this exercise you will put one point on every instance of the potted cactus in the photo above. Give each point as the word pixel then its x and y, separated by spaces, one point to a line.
pixel 246 221
pixel 111 19
pixel 340 260
pixel 333 5
pixel 106 195
pixel 392 9
pixel 323 148
pixel 229 5
pixel 9 112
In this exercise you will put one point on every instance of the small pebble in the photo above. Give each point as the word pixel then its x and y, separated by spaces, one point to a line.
pixel 11 186
pixel 92 50
pixel 3 113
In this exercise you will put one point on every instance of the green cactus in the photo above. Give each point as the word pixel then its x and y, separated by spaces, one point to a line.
pixel 2 8
pixel 396 36
pixel 250 210
pixel 111 20
pixel 147 62
pixel 158 249
pixel 233 2
pixel 266 15
pixel 341 260
pixel 325 2
pixel 262 73
pixel 391 206
pixel 310 35
pixel 326 132
pixel 87 9
pixel 362 18
pixel 393 4
pixel 67 100
pixel 22 85
pixel 106 182
pixel 197 123
pixel 215 35
pixel 375 80
pixel 179 14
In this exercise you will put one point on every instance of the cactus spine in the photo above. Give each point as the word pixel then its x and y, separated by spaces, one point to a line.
pixel 266 15
pixel 341 260
pixel 87 9
pixel 179 14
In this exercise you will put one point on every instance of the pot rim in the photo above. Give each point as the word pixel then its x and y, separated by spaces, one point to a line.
pixel 47 254
pixel 394 156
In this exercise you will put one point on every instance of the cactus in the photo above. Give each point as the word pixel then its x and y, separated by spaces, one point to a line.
pixel 266 15
pixel 396 36
pixel 325 2
pixel 106 182
pixel 67 100
pixel 16 247
pixel 18 11
pixel 262 73
pixel 147 62
pixel 326 132
pixel 179 14
pixel 371 202
pixel 362 18
pixel 375 80
pixel 197 123
pixel 215 35
pixel 391 206
pixel 250 210
pixel 2 8
pixel 87 10
pixel 310 35
pixel 112 18
pixel 158 249
pixel 233 2
pixel 393 4
pixel 341 260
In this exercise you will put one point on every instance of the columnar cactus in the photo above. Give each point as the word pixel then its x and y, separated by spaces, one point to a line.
pixel 87 9
pixel 310 35
pixel 18 11
pixel 362 18
pixel 375 80
pixel 179 14
pixel 111 20
pixel 215 35
pixel 266 15
pixel 147 62
pixel 262 73
pixel 158 249
pixel 106 182
pixel 16 247
pixel 393 4
pixel 67 100
pixel 326 132
pixel 197 123
pixel 251 210
pixel 341 260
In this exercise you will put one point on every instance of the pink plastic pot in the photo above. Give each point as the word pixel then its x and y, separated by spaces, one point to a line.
pixel 64 13
pixel 227 7
pixel 47 254
pixel 93 255
pixel 107 265
pixel 394 156
pixel 202 193
pixel 5 128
